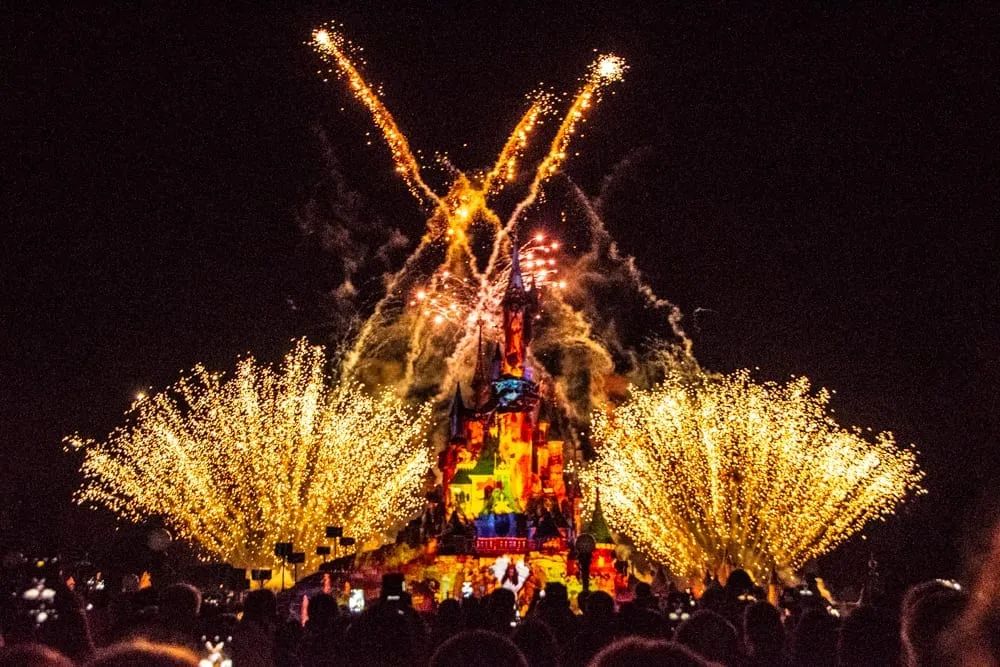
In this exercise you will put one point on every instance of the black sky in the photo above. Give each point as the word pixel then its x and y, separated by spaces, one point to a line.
pixel 822 182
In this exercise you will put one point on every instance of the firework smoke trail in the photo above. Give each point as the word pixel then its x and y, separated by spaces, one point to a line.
pixel 603 239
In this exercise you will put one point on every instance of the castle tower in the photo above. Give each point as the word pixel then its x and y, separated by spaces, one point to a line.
pixel 516 393
pixel 515 313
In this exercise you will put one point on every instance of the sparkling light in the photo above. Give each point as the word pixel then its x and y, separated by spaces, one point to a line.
pixel 603 71
pixel 505 168
pixel 611 68
pixel 714 473
pixel 235 465
pixel 466 302
pixel 334 49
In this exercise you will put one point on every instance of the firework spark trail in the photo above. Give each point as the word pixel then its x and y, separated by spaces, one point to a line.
pixel 505 168
pixel 603 71
pixel 331 45
pixel 266 456
pixel 714 473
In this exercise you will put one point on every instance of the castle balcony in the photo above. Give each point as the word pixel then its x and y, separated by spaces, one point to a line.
pixel 497 546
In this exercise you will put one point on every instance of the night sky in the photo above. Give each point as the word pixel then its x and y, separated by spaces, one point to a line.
pixel 820 185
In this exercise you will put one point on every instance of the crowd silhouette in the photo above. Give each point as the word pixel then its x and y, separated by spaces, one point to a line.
pixel 933 623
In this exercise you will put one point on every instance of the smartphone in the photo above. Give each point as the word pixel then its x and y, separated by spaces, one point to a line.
pixel 356 601
pixel 466 589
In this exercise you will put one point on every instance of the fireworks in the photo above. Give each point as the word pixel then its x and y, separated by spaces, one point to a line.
pixel 505 168
pixel 334 49
pixel 603 71
pixel 464 302
pixel 427 342
pixel 722 472
pixel 235 465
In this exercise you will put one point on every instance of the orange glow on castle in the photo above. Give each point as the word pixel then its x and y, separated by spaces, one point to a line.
pixel 506 506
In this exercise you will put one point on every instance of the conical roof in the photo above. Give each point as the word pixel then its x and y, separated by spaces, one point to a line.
pixel 598 526
pixel 456 414
pixel 480 378
pixel 515 284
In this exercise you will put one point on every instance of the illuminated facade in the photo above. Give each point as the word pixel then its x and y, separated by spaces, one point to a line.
pixel 499 464
pixel 503 494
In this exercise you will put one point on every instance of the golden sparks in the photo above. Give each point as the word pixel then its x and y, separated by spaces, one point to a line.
pixel 715 473
pixel 505 169
pixel 334 49
pixel 465 302
pixel 235 465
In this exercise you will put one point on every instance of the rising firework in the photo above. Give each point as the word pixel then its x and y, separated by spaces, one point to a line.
pixel 235 465
pixel 715 473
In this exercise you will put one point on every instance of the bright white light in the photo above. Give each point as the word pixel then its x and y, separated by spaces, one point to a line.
pixel 610 67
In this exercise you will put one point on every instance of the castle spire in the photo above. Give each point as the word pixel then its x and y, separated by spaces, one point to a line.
pixel 480 377
pixel 515 285
pixel 456 425
pixel 598 526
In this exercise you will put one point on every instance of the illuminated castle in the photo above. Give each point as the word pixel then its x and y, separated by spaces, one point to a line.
pixel 504 510
pixel 499 467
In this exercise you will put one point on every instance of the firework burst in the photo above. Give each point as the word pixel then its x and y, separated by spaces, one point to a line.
pixel 449 301
pixel 426 329
pixel 713 473
pixel 235 465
